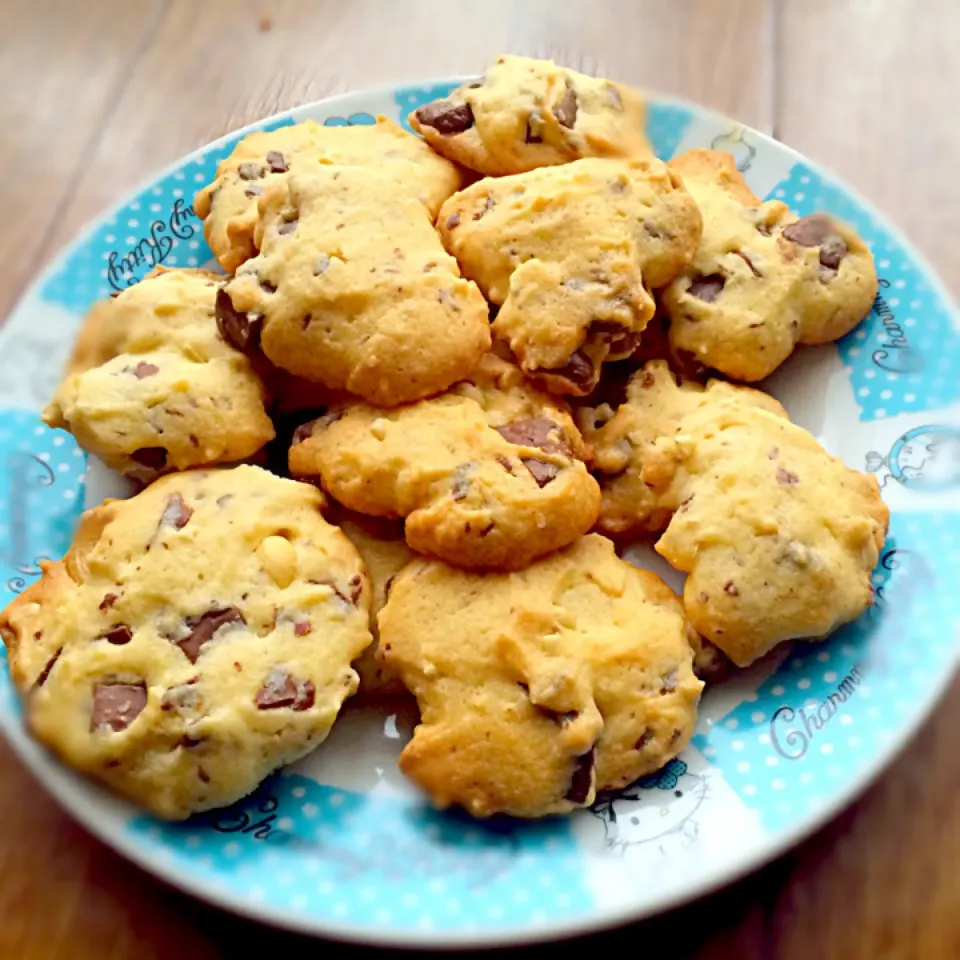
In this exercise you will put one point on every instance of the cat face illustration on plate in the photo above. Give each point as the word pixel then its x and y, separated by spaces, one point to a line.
pixel 924 458
pixel 735 143
pixel 655 807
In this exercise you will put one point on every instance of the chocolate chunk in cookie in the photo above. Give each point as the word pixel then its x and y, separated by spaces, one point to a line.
pixel 116 705
pixel 446 117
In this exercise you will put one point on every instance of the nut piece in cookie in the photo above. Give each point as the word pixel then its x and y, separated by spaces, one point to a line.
pixel 194 638
pixel 778 538
pixel 570 255
pixel 152 386
pixel 540 687
pixel 384 553
pixel 762 280
pixel 637 451
pixel 262 162
pixel 353 289
pixel 487 475
pixel 526 113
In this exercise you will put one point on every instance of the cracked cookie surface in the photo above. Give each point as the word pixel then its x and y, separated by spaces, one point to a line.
pixel 179 680
pixel 538 688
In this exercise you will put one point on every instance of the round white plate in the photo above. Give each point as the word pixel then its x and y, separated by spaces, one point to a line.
pixel 341 844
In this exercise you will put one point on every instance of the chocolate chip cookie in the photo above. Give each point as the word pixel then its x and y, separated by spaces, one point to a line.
pixel 569 254
pixel 778 538
pixel 762 280
pixel 353 289
pixel 193 639
pixel 486 478
pixel 526 113
pixel 262 162
pixel 538 688
pixel 155 388
pixel 636 447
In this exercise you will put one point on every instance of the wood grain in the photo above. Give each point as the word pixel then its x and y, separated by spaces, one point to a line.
pixel 64 894
pixel 870 89
pixel 211 68
pixel 882 880
pixel 51 120
pixel 97 96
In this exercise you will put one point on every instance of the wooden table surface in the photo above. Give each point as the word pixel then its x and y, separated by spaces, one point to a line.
pixel 97 95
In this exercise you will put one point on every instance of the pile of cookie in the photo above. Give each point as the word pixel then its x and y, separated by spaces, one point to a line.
pixel 374 450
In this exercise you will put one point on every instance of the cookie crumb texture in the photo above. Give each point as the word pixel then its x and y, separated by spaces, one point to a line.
pixel 193 639
pixel 570 255
pixel 352 288
pixel 488 476
pixel 538 688
pixel 152 386
pixel 526 113
pixel 762 280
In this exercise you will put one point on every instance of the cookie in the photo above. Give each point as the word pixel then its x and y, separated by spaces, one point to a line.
pixel 778 538
pixel 540 687
pixel 352 288
pixel 384 553
pixel 762 281
pixel 194 638
pixel 262 162
pixel 569 255
pixel 636 454
pixel 526 113
pixel 102 335
pixel 486 478
pixel 155 388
